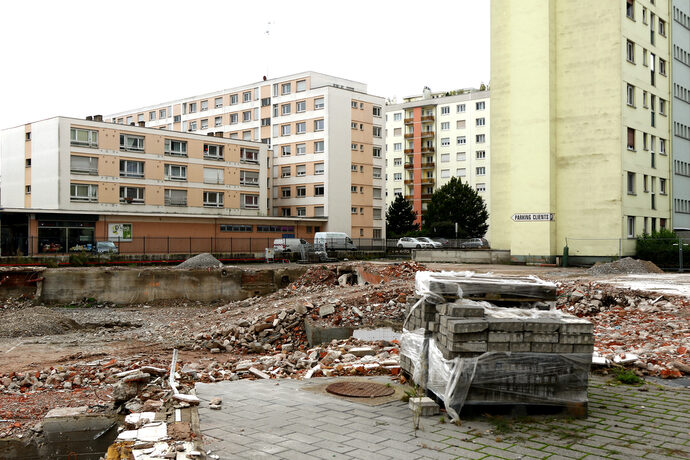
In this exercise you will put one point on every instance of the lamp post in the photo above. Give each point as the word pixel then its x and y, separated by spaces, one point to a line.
pixel 680 245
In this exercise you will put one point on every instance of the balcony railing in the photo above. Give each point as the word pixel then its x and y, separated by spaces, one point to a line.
pixel 428 118
pixel 409 197
pixel 409 181
pixel 409 120
pixel 409 135
pixel 427 196
pixel 428 164
pixel 409 150
pixel 409 165
pixel 426 134
pixel 428 150
pixel 427 181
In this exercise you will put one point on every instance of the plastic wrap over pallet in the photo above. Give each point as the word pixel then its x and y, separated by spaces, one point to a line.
pixel 413 352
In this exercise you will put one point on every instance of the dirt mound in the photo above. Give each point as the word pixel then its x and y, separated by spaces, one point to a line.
pixel 624 266
pixel 35 321
pixel 204 260
pixel 317 276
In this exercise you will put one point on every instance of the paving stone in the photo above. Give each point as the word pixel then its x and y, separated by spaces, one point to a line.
pixel 500 453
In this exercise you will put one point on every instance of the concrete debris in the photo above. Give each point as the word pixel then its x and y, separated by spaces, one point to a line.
pixel 35 321
pixel 424 407
pixel 204 260
pixel 624 266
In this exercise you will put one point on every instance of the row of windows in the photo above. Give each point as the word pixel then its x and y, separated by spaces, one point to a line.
pixel 681 55
pixel 630 13
pixel 300 128
pixel 445 157
pixel 300 212
pixel 460 108
pixel 301 149
pixel 300 170
pixel 300 106
pixel 681 18
pixel 648 142
pixel 682 168
pixel 301 191
pixel 681 93
pixel 259 228
pixel 376 212
pixel 631 230
pixel 648 184
pixel 286 88
pixel 462 140
pixel 650 103
pixel 681 206
pixel 681 130
pixel 648 60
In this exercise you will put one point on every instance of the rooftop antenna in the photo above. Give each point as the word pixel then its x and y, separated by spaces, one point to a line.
pixel 267 34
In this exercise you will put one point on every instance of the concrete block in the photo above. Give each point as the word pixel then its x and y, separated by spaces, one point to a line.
pixel 542 347
pixel 465 311
pixel 577 328
pixel 464 325
pixel 562 348
pixel 579 339
pixel 520 347
pixel 550 337
pixel 495 336
pixel 498 346
pixel 469 337
pixel 586 348
pixel 543 325
pixel 505 325
pixel 424 406
pixel 468 347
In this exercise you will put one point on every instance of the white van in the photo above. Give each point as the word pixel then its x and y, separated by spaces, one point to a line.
pixel 284 245
pixel 333 241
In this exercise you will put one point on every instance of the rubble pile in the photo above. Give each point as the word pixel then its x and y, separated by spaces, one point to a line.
pixel 203 260
pixel 624 266
pixel 649 331
pixel 35 321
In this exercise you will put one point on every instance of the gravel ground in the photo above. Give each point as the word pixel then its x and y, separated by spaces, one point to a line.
pixel 204 260
pixel 35 321
pixel 623 266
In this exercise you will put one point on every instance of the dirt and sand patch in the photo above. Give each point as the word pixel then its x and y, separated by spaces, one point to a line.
pixel 35 321
pixel 624 266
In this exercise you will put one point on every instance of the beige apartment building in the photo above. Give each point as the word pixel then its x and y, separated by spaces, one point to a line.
pixel 325 136
pixel 67 183
pixel 433 137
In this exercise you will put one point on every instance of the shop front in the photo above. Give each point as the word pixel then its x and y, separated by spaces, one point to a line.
pixel 69 233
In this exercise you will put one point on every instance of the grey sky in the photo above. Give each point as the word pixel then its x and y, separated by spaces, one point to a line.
pixel 77 58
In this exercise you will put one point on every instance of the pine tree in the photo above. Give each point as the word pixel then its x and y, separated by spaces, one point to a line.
pixel 400 217
pixel 456 202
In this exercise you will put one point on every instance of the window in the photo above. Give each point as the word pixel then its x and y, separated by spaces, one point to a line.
pixel 662 66
pixel 631 95
pixel 318 103
pixel 377 131
pixel 630 51
pixel 376 152
pixel 445 173
pixel 175 172
pixel 301 149
pixel 162 113
pixel 301 85
pixel 285 171
pixel 662 27
pixel 285 130
pixel 445 110
pixel 631 183
pixel 213 176
pixel 353 168
pixel 83 165
pixel 300 106
pixel 481 121
pixel 83 192
pixel 377 193
pixel 481 171
pixel 249 178
pixel 152 115
pixel 631 227
pixel 213 199
pixel 318 125
pixel 132 195
pixel 318 147
pixel 130 168
pixel 285 192
pixel 644 99
pixel 247 116
pixel 445 141
pixel 397 176
pixel 662 106
pixel 318 190
pixel 377 173
pixel 631 139
pixel 481 154
pixel 461 172
pixel 461 140
pixel 662 146
pixel 397 147
pixel 237 228
pixel 192 125
pixel 233 99
pixel 27 163
pixel 286 88
pixel 85 138
pixel 445 157
pixel 445 126
pixel 301 191
pixel 301 127
pixel 460 108
pixel 233 118
pixel 318 168
pixel 353 210
pixel 301 170
pixel 480 105
pixel 285 109
pixel 204 106
pixel 204 123
pixel 285 150
pixel 377 111
pixel 397 116
pixel 213 152
pixel 130 120
pixel 480 138
pixel 249 201
pixel 481 187
pixel 249 156
pixel 247 96
pixel 630 9
pixel 218 102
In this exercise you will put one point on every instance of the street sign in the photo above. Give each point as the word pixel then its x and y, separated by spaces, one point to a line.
pixel 534 217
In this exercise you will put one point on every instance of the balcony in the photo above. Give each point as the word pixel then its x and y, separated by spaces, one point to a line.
pixel 428 150
pixel 427 196
pixel 409 150
pixel 409 135
pixel 409 165
pixel 409 181
pixel 429 118
pixel 409 121
pixel 428 134
pixel 427 181
pixel 428 164
pixel 409 197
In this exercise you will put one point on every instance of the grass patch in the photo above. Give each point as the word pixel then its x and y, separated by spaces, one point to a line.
pixel 627 377
pixel 500 424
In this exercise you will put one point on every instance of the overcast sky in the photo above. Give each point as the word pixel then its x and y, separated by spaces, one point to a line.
pixel 77 58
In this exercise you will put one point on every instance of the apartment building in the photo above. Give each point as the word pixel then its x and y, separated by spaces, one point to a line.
pixel 433 137
pixel 680 110
pixel 68 182
pixel 326 138
pixel 580 126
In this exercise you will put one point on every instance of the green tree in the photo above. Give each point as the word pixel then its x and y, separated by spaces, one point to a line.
pixel 400 217
pixel 458 203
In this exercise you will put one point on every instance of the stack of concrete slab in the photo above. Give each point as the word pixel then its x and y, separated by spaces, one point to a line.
pixel 498 354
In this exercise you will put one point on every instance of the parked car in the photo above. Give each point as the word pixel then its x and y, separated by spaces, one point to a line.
pixel 409 242
pixel 474 243
pixel 107 247
pixel 284 245
pixel 333 241
pixel 434 244
pixel 444 242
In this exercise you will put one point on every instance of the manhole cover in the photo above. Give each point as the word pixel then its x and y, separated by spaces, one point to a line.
pixel 360 389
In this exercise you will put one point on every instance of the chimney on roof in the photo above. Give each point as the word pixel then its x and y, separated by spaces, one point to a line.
pixel 142 124
pixel 89 118
pixel 98 118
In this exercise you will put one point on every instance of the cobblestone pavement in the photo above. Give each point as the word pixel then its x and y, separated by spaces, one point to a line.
pixel 279 419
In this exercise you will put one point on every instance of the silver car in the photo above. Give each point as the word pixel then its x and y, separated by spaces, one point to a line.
pixel 409 242
pixel 434 244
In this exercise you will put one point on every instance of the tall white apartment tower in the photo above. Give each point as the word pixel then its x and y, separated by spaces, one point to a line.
pixel 680 110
